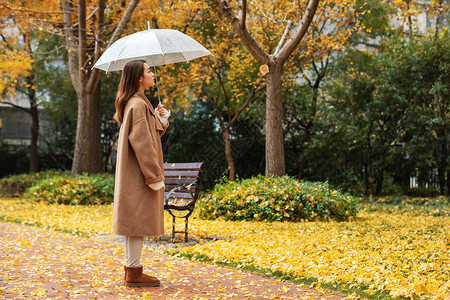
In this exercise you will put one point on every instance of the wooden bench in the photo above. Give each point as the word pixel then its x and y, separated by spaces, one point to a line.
pixel 182 190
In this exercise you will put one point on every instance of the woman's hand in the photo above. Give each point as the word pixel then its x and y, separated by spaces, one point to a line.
pixel 163 114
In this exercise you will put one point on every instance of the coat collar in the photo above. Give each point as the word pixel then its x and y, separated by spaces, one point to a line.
pixel 141 95
pixel 150 108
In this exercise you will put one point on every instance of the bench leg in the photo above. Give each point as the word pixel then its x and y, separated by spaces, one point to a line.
pixel 173 227
pixel 186 231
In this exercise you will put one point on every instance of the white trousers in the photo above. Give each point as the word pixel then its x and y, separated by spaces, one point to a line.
pixel 133 249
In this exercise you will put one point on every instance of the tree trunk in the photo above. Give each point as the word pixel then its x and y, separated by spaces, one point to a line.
pixel 34 165
pixel 88 154
pixel 275 164
pixel 366 179
pixel 301 168
pixel 442 167
pixel 97 124
pixel 230 161
pixel 448 181
pixel 380 178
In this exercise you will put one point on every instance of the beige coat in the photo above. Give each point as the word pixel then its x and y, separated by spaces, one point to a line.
pixel 139 210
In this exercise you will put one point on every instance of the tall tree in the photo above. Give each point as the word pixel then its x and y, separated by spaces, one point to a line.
pixel 85 29
pixel 273 62
pixel 288 28
pixel 85 35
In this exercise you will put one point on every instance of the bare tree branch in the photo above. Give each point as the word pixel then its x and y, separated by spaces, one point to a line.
pixel 255 90
pixel 123 22
pixel 82 53
pixel 249 42
pixel 71 47
pixel 244 13
pixel 216 107
pixel 223 87
pixel 16 106
pixel 7 43
pixel 315 68
pixel 284 37
pixel 42 137
pixel 87 18
pixel 290 45
pixel 95 75
pixel 264 14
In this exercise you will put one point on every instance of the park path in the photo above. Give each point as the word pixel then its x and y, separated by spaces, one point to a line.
pixel 37 263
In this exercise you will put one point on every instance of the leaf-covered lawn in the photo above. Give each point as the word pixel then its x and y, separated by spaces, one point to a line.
pixel 402 250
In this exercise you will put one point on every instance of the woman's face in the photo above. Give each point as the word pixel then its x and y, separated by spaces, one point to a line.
pixel 148 79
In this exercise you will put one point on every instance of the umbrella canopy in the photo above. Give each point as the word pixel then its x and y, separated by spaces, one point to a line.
pixel 156 46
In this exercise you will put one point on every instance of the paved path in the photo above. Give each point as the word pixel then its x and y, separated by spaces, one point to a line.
pixel 36 263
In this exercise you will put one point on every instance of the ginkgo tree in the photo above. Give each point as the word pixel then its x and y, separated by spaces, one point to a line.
pixel 271 31
pixel 86 26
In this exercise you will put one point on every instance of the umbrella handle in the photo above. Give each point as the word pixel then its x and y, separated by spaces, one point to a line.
pixel 157 87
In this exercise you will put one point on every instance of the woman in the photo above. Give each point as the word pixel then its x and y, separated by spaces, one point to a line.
pixel 139 185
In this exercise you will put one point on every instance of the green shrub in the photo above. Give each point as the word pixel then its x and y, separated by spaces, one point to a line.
pixel 16 185
pixel 276 199
pixel 81 190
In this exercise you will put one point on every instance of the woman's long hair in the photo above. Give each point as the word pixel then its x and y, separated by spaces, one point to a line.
pixel 128 86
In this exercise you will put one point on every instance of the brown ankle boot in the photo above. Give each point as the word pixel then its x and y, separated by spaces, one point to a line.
pixel 135 278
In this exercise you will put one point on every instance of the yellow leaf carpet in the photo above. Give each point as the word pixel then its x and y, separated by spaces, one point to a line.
pixel 401 252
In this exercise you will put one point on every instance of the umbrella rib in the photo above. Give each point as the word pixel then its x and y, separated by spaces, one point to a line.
pixel 182 54
pixel 120 52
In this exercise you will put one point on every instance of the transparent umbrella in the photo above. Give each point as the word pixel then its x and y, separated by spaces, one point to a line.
pixel 156 46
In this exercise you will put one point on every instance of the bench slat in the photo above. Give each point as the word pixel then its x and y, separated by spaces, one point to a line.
pixel 178 195
pixel 178 181
pixel 183 166
pixel 181 174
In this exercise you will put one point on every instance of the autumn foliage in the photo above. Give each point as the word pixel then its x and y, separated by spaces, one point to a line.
pixel 17 185
pixel 277 199
pixel 79 190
